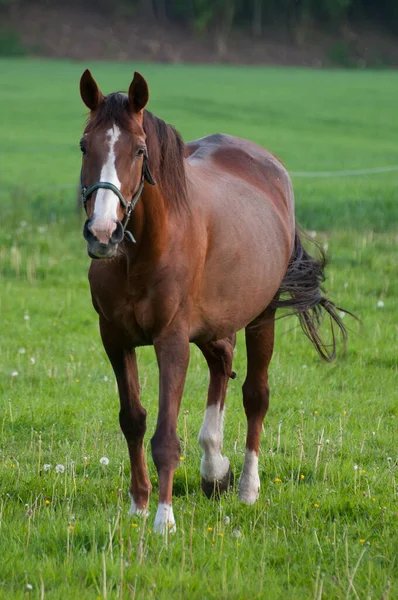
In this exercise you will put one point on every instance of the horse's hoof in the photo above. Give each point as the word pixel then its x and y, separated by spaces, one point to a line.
pixel 214 489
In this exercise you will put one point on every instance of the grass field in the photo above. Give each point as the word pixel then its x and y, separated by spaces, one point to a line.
pixel 326 522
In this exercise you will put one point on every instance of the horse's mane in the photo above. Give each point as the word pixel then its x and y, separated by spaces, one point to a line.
pixel 166 149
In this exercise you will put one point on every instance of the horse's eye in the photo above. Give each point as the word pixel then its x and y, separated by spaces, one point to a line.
pixel 140 151
pixel 83 148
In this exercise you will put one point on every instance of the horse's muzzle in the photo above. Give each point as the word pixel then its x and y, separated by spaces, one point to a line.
pixel 97 249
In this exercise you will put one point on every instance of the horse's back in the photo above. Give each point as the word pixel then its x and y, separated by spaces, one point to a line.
pixel 242 158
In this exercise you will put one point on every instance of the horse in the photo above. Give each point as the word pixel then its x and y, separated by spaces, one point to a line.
pixel 190 243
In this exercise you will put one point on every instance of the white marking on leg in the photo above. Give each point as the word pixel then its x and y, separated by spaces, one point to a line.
pixel 140 512
pixel 249 482
pixel 213 466
pixel 106 201
pixel 164 520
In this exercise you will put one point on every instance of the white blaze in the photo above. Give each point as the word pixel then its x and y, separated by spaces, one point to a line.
pixel 213 466
pixel 249 482
pixel 106 202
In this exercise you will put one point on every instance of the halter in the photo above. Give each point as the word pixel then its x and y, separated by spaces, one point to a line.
pixel 129 206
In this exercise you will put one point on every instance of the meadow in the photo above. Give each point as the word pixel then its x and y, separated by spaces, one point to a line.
pixel 326 523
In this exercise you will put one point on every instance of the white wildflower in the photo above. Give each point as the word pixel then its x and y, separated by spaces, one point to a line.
pixel 105 378
pixel 380 304
pixel 32 360
pixel 47 467
pixel 29 587
pixel 59 468
pixel 26 317
pixel 227 520
pixel 14 374
pixel 356 467
pixel 104 460
pixel 341 314
pixel 312 234
pixel 22 351
pixel 237 533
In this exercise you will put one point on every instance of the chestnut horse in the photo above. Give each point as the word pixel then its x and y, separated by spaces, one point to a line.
pixel 195 242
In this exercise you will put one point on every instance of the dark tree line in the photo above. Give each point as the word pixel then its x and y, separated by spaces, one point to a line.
pixel 256 17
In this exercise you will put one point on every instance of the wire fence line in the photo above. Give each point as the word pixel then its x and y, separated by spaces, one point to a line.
pixel 304 174
pixel 346 173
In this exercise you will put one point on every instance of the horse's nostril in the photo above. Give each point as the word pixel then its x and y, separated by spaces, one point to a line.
pixel 118 234
pixel 87 233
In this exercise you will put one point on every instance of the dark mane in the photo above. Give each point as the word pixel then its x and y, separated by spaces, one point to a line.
pixel 166 149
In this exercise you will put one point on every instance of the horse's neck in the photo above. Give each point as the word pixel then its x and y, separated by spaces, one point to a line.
pixel 149 222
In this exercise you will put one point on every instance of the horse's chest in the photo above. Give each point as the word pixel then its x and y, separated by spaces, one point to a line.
pixel 135 315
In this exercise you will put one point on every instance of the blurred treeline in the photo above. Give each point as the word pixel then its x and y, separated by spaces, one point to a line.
pixel 255 16
pixel 296 18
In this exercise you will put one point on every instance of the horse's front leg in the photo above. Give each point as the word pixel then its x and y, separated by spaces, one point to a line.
pixel 132 416
pixel 172 352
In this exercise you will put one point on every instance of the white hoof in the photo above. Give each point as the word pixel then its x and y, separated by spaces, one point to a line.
pixel 140 512
pixel 249 482
pixel 164 520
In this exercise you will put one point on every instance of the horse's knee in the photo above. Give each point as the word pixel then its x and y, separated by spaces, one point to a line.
pixel 255 399
pixel 219 357
pixel 165 450
pixel 133 425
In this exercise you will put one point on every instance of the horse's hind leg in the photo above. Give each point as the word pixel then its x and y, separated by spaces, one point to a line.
pixel 132 416
pixel 259 345
pixel 215 468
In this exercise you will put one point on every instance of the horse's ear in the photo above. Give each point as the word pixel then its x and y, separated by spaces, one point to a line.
pixel 89 91
pixel 138 93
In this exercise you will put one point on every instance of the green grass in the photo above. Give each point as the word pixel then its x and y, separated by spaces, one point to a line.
pixel 326 522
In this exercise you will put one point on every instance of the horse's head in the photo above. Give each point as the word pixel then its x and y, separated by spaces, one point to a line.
pixel 114 162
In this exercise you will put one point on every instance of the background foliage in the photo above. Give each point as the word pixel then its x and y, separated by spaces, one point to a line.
pixel 256 16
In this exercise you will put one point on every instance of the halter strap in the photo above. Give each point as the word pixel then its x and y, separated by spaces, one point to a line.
pixel 129 206
pixel 86 192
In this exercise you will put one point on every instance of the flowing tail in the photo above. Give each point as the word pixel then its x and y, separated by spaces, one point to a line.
pixel 302 291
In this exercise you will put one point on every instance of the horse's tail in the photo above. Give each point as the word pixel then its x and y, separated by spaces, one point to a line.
pixel 302 291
